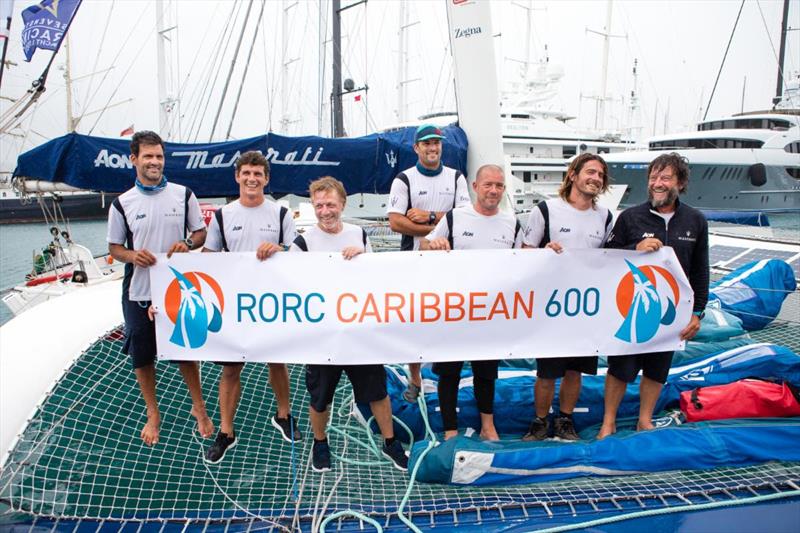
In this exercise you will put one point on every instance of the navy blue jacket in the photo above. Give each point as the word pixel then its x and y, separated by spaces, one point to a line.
pixel 687 234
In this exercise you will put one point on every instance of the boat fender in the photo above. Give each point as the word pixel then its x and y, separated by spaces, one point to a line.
pixel 758 174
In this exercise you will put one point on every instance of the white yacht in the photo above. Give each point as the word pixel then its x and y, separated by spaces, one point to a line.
pixel 745 162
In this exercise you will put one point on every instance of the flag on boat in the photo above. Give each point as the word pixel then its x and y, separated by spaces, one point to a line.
pixel 46 24
pixel 127 131
pixel 6 8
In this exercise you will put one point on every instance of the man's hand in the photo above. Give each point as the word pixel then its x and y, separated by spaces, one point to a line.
pixel 143 258
pixel 179 247
pixel 352 251
pixel 554 246
pixel 266 250
pixel 151 313
pixel 418 216
pixel 691 330
pixel 439 243
pixel 650 244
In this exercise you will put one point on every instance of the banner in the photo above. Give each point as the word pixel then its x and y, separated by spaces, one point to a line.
pixel 400 307
pixel 45 25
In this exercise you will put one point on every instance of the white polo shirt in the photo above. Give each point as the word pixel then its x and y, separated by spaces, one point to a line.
pixel 246 228
pixel 474 231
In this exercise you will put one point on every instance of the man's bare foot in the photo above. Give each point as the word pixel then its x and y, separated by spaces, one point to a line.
pixel 151 428
pixel 606 430
pixel 644 426
pixel 204 424
pixel 489 434
pixel 450 434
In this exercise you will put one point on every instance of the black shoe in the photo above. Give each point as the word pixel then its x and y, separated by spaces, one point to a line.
pixel 321 456
pixel 395 453
pixel 564 429
pixel 537 430
pixel 216 452
pixel 287 429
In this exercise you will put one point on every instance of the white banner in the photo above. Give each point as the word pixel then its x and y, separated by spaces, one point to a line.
pixel 399 307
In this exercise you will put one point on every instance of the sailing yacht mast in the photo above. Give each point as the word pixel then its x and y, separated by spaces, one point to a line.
pixel 167 75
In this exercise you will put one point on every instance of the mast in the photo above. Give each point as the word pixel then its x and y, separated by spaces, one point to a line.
pixel 285 62
pixel 337 119
pixel 166 50
pixel 68 87
pixel 782 53
pixel 402 71
pixel 477 97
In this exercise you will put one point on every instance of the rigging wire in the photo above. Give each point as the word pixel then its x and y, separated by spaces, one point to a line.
pixel 97 56
pixel 204 83
pixel 246 69
pixel 719 72
pixel 107 72
pixel 230 72
pixel 235 9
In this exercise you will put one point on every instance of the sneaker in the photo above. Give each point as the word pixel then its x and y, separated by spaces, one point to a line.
pixel 216 452
pixel 564 429
pixel 321 457
pixel 537 430
pixel 395 453
pixel 411 393
pixel 286 429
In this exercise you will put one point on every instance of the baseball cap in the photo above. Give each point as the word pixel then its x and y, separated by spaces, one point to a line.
pixel 427 131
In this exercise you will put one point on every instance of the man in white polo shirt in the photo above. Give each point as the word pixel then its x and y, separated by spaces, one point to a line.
pixel 481 226
pixel 251 223
pixel 573 220
pixel 418 199
pixel 153 217
pixel 330 234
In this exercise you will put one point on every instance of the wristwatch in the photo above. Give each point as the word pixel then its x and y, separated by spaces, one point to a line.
pixel 188 242
pixel 699 314
pixel 432 218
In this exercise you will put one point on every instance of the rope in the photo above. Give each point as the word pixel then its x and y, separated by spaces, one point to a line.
pixel 719 72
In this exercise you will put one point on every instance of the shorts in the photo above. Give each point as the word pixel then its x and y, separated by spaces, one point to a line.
pixel 482 369
pixel 368 381
pixel 140 333
pixel 556 367
pixel 653 366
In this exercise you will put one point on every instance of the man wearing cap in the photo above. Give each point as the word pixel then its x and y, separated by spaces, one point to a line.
pixel 420 196
pixel 661 221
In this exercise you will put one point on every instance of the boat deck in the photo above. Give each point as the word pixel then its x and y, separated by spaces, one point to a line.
pixel 81 461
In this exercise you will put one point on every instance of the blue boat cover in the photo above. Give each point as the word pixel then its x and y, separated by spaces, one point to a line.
pixel 364 164
pixel 513 406
pixel 746 218
pixel 697 446
pixel 755 292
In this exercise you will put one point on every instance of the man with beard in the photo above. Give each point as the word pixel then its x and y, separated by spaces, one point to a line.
pixel 480 226
pixel 153 217
pixel 330 234
pixel 574 220
pixel 251 223
pixel 661 221
pixel 419 198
